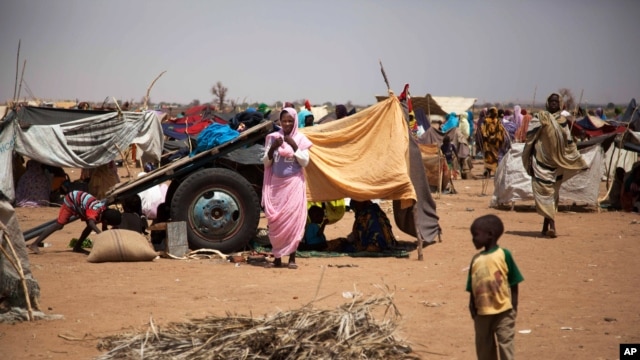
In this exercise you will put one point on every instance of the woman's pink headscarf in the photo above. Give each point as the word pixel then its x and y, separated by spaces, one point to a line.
pixel 302 141
pixel 517 115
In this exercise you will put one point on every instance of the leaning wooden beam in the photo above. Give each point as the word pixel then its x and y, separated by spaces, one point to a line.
pixel 146 97
pixel 21 78
pixel 124 160
pixel 15 86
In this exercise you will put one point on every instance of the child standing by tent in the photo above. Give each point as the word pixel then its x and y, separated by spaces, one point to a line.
pixel 449 151
pixel 493 287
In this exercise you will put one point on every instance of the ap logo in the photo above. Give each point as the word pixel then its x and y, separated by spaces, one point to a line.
pixel 629 351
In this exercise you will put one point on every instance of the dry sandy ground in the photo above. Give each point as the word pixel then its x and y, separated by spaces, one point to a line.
pixel 579 298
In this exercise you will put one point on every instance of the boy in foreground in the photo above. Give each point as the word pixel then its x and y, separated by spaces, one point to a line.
pixel 493 286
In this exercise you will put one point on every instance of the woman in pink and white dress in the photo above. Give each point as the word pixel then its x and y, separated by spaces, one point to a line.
pixel 284 197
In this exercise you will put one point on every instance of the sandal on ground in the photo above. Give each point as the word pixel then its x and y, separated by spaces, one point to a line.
pixel 551 233
pixel 277 263
pixel 292 265
pixel 34 249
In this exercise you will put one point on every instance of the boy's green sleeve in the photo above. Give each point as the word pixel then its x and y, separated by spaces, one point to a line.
pixel 514 276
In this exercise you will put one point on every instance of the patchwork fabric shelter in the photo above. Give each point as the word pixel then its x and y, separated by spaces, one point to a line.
pixel 75 139
pixel 12 293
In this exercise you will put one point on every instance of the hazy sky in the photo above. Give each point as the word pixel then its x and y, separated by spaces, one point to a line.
pixel 323 50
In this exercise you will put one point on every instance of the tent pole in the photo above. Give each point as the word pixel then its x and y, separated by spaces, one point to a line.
pixel 439 173
pixel 15 86
pixel 611 163
pixel 21 77
pixel 419 238
pixel 124 161
pixel 575 112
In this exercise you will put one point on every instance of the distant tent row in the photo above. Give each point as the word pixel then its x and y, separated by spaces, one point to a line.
pixel 512 183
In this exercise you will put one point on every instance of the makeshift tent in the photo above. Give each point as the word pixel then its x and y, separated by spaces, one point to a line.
pixel 370 155
pixel 592 126
pixel 627 141
pixel 512 183
pixel 12 291
pixel 75 140
pixel 615 157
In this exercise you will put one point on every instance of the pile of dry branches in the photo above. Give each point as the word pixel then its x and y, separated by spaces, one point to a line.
pixel 348 332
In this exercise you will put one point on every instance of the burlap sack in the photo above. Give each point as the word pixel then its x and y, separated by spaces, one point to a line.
pixel 120 245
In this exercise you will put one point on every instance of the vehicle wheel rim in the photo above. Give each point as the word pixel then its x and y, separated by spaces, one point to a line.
pixel 215 214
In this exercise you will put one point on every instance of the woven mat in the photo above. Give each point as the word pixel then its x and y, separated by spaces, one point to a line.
pixel 401 251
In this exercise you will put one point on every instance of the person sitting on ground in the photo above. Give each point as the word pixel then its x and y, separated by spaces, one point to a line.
pixel 132 217
pixel 371 228
pixel 314 238
pixel 33 187
pixel 630 196
pixel 163 215
pixel 85 206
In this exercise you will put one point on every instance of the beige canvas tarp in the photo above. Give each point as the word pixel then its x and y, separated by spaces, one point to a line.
pixel 369 155
pixel 364 156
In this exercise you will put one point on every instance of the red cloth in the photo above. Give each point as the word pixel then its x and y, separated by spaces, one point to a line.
pixel 406 96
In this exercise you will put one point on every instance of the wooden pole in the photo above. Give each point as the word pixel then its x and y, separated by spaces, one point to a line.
pixel 21 77
pixel 146 97
pixel 418 233
pixel 15 86
pixel 17 265
pixel 575 112
pixel 124 161
pixel 439 173
pixel 384 76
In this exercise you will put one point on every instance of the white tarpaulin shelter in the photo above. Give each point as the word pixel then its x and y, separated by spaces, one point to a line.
pixel 616 157
pixel 81 143
pixel 512 183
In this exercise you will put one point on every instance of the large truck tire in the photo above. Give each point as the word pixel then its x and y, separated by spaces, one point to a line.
pixel 220 207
